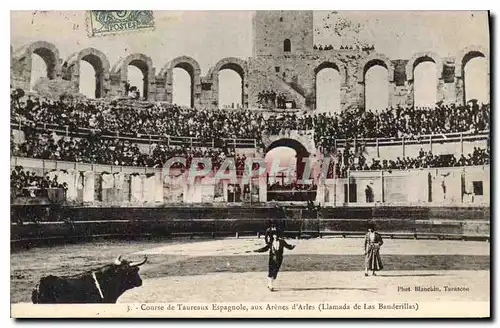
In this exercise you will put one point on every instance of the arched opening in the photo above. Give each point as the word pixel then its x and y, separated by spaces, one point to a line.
pixel 376 88
pixel 425 83
pixel 285 167
pixel 182 87
pixel 287 45
pixel 375 78
pixel 476 83
pixel 87 83
pixel 286 158
pixel 328 90
pixel 92 76
pixel 137 81
pixel 39 70
pixel 230 89
pixel 43 60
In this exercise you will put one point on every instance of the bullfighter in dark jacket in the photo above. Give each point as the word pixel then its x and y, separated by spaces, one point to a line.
pixel 371 249
pixel 275 246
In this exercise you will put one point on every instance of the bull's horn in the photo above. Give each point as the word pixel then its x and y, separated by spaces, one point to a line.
pixel 140 263
pixel 118 260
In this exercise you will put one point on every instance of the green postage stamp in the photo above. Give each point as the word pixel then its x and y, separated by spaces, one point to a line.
pixel 103 22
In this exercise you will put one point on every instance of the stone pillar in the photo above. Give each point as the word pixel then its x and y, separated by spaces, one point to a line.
pixel 320 193
pixel 410 99
pixel 400 96
pixel 116 88
pixel 449 92
pixel 262 189
pixel 343 97
pixel 196 85
pixel 161 91
pixel 392 91
pixel 356 96
pixel 441 90
pixel 21 73
pixel 151 85
pixel 459 90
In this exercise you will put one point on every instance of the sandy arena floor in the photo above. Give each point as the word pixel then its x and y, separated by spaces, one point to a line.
pixel 227 270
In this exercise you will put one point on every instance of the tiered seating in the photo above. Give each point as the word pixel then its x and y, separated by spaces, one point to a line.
pixel 111 132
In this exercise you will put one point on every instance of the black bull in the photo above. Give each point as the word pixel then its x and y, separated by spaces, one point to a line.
pixel 104 285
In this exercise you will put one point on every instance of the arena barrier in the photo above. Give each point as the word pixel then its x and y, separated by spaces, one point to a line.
pixel 110 185
pixel 82 223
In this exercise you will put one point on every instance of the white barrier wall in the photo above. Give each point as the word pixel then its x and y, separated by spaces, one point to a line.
pixel 122 185
pixel 439 145
pixel 90 183
pixel 452 186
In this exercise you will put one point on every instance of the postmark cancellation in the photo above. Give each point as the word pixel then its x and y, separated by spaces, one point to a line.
pixel 105 22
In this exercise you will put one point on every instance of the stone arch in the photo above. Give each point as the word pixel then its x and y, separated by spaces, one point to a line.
pixel 22 60
pixel 461 60
pixel 191 66
pixel 335 64
pixel 290 143
pixel 100 63
pixel 373 60
pixel 467 54
pixel 237 65
pixel 424 57
pixel 296 145
pixel 144 64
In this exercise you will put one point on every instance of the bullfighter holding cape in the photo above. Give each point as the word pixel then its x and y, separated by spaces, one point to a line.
pixel 371 249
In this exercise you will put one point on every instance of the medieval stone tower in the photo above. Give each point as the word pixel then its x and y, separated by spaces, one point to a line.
pixel 282 32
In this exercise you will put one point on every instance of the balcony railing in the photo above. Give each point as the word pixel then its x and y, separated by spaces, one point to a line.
pixel 430 139
pixel 427 138
pixel 142 138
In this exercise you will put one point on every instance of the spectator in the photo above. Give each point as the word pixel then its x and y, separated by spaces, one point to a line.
pixel 97 121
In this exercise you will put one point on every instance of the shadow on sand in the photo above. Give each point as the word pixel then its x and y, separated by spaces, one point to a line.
pixel 412 275
pixel 373 290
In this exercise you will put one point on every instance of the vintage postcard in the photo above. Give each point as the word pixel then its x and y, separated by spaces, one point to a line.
pixel 243 164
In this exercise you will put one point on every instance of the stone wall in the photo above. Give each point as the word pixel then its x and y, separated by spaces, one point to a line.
pixel 449 186
pixel 272 28
pixel 290 71
pixel 132 186
pixel 217 221
pixel 293 74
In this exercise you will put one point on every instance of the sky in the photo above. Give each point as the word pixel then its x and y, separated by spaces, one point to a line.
pixel 209 36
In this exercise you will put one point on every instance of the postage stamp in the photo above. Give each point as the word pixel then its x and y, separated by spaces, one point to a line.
pixel 102 22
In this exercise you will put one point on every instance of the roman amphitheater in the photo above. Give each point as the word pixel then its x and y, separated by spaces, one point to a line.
pixel 88 174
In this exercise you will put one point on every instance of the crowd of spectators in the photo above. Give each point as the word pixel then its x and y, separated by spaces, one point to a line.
pixel 286 122
pixel 399 122
pixel 162 152
pixel 344 47
pixel 158 119
pixel 272 100
pixel 111 151
pixel 90 149
pixel 110 118
pixel 355 161
pixel 291 191
pixel 132 91
pixel 26 183
pixel 170 120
